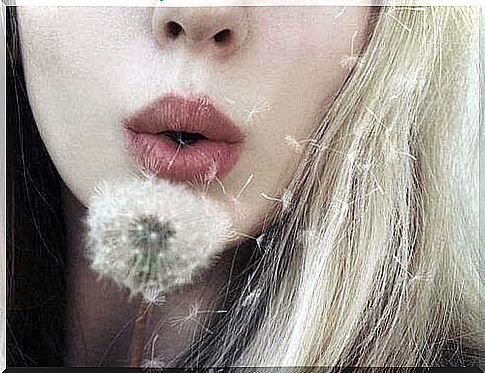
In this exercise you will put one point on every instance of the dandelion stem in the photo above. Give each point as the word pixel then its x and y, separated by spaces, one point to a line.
pixel 138 335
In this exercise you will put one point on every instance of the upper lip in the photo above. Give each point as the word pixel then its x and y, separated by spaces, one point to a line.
pixel 196 115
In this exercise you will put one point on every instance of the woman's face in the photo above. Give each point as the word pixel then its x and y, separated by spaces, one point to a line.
pixel 220 98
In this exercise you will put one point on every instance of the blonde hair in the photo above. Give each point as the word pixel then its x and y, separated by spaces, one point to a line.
pixel 375 262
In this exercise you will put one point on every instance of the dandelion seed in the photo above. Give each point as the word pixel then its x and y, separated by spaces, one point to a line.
pixel 341 206
pixel 415 9
pixel 170 164
pixel 155 363
pixel 269 198
pixel 183 322
pixel 211 173
pixel 349 62
pixel 340 12
pixel 153 296
pixel 311 237
pixel 407 155
pixel 403 267
pixel 376 118
pixel 351 157
pixel 245 235
pixel 294 144
pixel 407 28
pixel 422 277
pixel 251 297
pixel 373 191
pixel 287 199
pixel 265 106
pixel 409 82
pixel 259 241
pixel 366 166
pixel 248 181
pixel 251 110
pixel 151 236
pixel 223 188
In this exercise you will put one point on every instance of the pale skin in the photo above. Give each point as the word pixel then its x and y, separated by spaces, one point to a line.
pixel 275 80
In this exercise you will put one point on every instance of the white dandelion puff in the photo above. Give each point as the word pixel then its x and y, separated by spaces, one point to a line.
pixel 152 236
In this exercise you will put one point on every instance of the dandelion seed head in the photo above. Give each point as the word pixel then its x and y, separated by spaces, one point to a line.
pixel 152 236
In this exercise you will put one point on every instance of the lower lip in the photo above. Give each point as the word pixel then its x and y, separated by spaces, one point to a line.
pixel 199 162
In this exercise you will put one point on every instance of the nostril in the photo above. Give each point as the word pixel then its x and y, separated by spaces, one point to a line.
pixel 173 29
pixel 223 37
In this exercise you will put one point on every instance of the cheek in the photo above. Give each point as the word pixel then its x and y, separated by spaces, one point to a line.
pixel 305 54
pixel 73 81
pixel 315 49
pixel 314 42
pixel 304 65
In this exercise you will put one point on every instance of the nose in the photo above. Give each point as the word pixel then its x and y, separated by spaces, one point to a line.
pixel 220 31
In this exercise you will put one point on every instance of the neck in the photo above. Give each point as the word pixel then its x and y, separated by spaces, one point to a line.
pixel 100 316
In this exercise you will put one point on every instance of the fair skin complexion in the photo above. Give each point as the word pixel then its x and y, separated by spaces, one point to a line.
pixel 88 68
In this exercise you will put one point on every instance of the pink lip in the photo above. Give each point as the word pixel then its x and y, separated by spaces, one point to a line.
pixel 201 161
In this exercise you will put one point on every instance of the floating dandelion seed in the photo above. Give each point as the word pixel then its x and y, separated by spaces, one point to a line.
pixel 409 82
pixel 251 297
pixel 340 12
pixel 192 318
pixel 259 241
pixel 350 61
pixel 211 173
pixel 155 363
pixel 253 110
pixel 152 296
pixel 287 199
pixel 152 236
pixel 295 145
